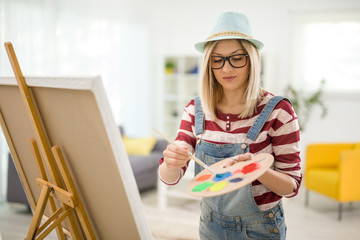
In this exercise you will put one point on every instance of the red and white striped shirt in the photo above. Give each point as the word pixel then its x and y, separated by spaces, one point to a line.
pixel 279 136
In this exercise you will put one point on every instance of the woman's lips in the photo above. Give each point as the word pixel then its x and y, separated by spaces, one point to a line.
pixel 229 78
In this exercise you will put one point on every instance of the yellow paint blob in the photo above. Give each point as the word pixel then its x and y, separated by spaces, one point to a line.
pixel 218 186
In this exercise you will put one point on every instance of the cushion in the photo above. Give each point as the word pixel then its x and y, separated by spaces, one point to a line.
pixel 139 146
pixel 323 180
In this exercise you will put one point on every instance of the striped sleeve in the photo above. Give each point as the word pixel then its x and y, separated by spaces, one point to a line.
pixel 185 136
pixel 285 138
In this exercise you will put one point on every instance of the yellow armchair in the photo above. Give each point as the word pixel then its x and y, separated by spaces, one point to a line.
pixel 333 170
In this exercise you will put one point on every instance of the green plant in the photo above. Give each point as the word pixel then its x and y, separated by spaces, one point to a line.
pixel 169 67
pixel 303 105
pixel 169 64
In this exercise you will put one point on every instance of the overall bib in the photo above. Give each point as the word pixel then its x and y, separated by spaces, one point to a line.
pixel 235 215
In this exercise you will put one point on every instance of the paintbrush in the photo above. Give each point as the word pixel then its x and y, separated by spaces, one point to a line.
pixel 198 161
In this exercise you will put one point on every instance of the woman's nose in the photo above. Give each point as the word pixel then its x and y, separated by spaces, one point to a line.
pixel 227 67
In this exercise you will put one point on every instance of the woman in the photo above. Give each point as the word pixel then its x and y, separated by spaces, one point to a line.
pixel 231 100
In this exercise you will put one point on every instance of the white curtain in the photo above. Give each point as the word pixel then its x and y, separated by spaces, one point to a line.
pixel 325 46
pixel 94 37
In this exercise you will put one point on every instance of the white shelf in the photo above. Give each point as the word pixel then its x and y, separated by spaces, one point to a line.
pixel 177 89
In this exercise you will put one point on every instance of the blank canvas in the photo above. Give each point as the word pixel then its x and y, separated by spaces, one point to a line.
pixel 77 118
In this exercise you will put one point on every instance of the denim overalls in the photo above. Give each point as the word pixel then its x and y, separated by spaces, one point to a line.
pixel 235 215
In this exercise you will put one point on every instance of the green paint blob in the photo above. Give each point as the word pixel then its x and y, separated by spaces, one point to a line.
pixel 202 187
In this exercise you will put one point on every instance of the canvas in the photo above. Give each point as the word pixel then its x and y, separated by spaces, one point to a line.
pixel 77 117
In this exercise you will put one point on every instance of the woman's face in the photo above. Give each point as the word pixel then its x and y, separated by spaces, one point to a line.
pixel 230 78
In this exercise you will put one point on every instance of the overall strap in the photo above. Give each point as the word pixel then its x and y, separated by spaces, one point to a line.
pixel 265 113
pixel 199 117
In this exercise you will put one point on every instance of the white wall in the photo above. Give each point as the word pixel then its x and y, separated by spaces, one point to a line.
pixel 156 28
pixel 177 25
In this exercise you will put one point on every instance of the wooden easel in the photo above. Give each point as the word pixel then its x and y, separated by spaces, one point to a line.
pixel 58 193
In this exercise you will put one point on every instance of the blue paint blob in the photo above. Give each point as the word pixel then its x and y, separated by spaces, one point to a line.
pixel 222 176
pixel 234 180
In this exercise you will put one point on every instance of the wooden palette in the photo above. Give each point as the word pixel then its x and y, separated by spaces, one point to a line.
pixel 206 184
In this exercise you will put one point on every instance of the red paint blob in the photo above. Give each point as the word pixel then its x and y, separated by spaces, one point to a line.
pixel 247 169
pixel 203 177
pixel 250 168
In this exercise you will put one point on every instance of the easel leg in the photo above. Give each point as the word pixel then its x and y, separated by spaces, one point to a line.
pixel 57 222
pixel 39 211
pixel 42 174
pixel 60 161
pixel 50 220
pixel 59 230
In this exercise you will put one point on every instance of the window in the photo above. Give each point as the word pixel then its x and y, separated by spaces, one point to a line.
pixel 53 38
pixel 327 46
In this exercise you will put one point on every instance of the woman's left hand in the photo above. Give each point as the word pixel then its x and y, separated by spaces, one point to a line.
pixel 239 158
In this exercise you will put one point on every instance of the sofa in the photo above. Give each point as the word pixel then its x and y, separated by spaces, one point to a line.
pixel 144 155
pixel 144 166
pixel 332 169
pixel 15 190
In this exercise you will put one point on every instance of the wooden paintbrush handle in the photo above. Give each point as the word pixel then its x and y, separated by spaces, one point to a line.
pixel 198 161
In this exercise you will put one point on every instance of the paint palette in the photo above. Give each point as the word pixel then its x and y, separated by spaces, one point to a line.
pixel 228 179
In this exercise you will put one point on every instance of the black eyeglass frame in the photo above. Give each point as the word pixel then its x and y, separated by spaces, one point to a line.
pixel 228 59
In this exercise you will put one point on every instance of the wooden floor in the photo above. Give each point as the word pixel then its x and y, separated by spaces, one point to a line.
pixel 180 220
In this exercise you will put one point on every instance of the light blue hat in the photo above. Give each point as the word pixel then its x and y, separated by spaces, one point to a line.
pixel 230 25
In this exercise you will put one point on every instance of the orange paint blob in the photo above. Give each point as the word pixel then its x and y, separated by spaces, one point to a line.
pixel 203 177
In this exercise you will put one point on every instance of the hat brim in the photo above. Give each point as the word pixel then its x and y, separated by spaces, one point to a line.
pixel 200 46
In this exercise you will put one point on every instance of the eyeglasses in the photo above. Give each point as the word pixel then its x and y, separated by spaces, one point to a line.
pixel 236 61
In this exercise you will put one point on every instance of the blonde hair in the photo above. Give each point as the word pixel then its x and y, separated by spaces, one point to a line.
pixel 211 92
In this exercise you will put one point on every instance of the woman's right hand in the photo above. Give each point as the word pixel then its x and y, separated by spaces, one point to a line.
pixel 176 156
